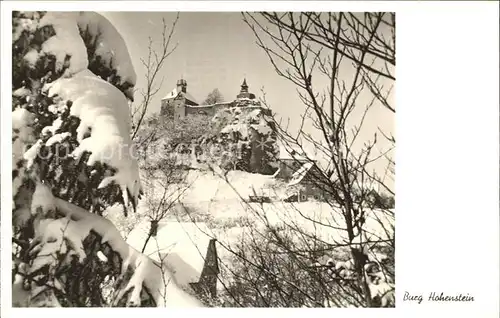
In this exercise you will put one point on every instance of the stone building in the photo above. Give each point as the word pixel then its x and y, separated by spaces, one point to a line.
pixel 179 103
pixel 304 178
pixel 173 106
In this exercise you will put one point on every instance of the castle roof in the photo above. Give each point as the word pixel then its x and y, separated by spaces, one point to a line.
pixel 299 175
pixel 175 93
pixel 244 86
pixel 244 93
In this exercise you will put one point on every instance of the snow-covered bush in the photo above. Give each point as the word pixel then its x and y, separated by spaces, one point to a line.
pixel 271 268
pixel 72 158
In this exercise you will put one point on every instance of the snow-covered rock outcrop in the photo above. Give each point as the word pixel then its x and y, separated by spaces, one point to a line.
pixel 246 136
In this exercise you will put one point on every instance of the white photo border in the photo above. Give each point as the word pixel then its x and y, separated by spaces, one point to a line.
pixel 447 154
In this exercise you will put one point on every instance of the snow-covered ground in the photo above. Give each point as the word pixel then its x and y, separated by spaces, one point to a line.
pixel 217 208
pixel 181 246
pixel 209 187
pixel 210 194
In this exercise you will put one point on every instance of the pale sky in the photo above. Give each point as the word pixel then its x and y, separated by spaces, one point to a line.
pixel 217 50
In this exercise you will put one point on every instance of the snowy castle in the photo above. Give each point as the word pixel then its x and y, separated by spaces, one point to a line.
pixel 250 131
pixel 179 103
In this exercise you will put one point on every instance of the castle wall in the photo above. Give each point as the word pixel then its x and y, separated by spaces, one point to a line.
pixel 209 110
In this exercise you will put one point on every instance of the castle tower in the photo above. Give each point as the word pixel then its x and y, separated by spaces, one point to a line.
pixel 244 91
pixel 244 86
pixel 182 86
pixel 173 105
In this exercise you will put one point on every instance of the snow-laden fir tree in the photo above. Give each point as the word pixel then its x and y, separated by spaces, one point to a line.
pixel 73 82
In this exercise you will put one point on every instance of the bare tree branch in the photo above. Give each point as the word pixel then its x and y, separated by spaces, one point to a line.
pixel 153 65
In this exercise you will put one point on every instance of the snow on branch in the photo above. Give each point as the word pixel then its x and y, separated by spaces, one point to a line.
pixel 110 45
pixel 102 110
pixel 68 42
pixel 59 241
